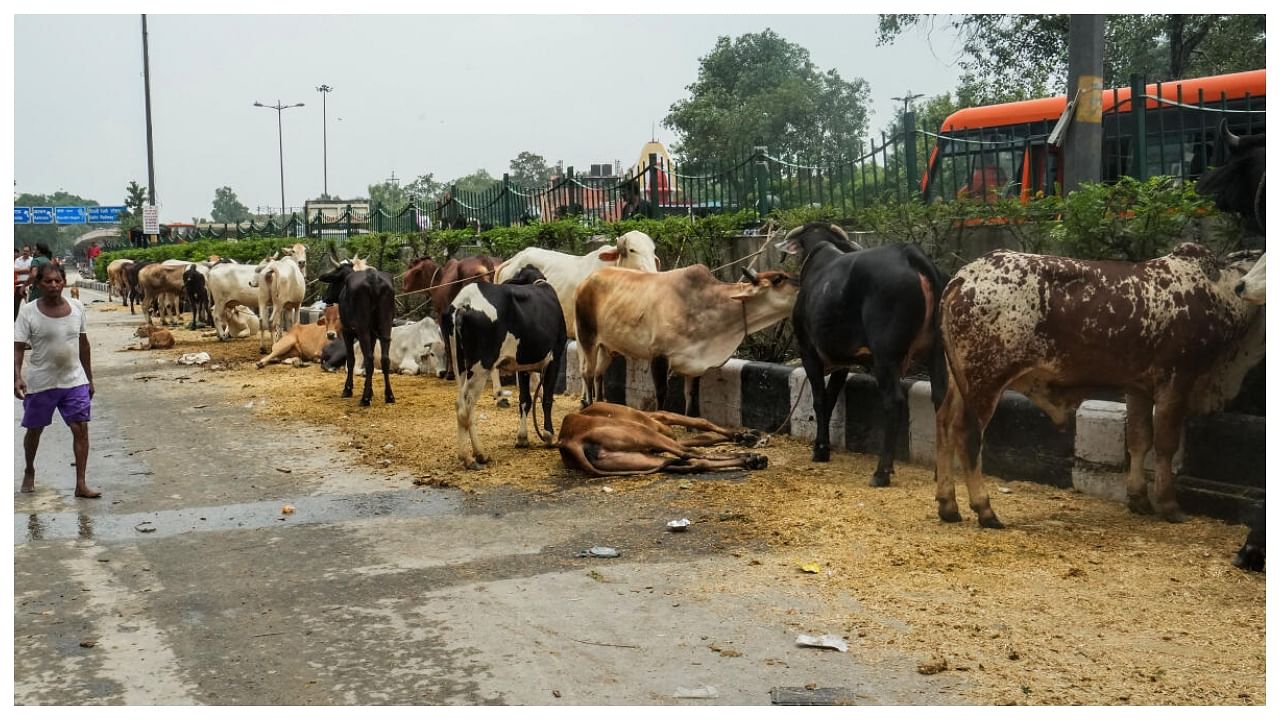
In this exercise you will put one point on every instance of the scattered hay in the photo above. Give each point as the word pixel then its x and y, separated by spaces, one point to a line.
pixel 1078 602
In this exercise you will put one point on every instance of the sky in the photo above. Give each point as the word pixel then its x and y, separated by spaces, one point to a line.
pixel 412 94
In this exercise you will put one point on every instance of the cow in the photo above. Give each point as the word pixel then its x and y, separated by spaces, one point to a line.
pixel 117 282
pixel 605 439
pixel 306 342
pixel 1239 185
pixel 442 283
pixel 132 287
pixel 161 286
pixel 417 348
pixel 242 322
pixel 1253 554
pixel 366 303
pixel 1253 286
pixel 196 289
pixel 282 284
pixel 683 320
pixel 632 250
pixel 154 338
pixel 876 307
pixel 516 326
pixel 1170 332
pixel 232 284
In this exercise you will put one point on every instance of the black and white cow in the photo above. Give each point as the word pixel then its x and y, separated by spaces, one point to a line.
pixel 516 326
pixel 366 302
pixel 876 307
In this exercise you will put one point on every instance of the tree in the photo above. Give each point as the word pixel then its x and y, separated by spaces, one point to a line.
pixel 135 197
pixel 478 181
pixel 530 170
pixel 424 188
pixel 1016 57
pixel 388 196
pixel 227 208
pixel 761 88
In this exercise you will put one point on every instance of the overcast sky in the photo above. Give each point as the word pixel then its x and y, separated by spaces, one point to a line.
pixel 411 94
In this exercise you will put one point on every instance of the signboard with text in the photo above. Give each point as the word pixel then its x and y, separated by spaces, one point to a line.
pixel 150 220
pixel 70 215
pixel 21 216
pixel 42 215
pixel 106 214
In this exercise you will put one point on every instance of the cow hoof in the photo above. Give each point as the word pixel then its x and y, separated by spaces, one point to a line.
pixel 755 461
pixel 951 516
pixel 473 465
pixel 1250 557
pixel 390 399
pixel 504 403
pixel 747 438
pixel 822 454
pixel 880 480
pixel 522 442
pixel 483 459
pixel 990 522
pixel 260 364
pixel 346 393
pixel 366 402
pixel 1140 505
pixel 1174 516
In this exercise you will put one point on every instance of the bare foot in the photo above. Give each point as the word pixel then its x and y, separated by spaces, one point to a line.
pixel 28 481
pixel 88 492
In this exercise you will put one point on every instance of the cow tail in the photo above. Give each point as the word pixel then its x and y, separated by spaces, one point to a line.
pixel 938 371
pixel 537 428
pixel 454 319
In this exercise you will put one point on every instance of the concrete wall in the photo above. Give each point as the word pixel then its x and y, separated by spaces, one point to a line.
pixel 1221 467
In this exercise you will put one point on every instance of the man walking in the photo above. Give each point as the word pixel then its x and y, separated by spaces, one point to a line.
pixel 60 374
pixel 21 273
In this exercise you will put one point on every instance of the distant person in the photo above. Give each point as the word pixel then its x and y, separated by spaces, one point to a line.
pixel 43 256
pixel 93 252
pixel 60 374
pixel 633 205
pixel 21 274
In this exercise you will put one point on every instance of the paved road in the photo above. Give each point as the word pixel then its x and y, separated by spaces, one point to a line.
pixel 185 584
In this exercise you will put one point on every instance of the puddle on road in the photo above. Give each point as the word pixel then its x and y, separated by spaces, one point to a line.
pixel 308 510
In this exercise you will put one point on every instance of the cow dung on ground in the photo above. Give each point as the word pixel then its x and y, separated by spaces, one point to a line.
pixel 1077 602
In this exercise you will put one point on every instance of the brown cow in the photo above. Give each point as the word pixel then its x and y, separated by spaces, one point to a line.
pixel 607 439
pixel 1170 332
pixel 154 338
pixel 162 286
pixel 306 342
pixel 116 279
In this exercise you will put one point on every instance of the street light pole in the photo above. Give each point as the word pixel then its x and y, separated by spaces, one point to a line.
pixel 324 91
pixel 906 101
pixel 280 137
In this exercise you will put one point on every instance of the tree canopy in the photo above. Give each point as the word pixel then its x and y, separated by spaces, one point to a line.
pixel 530 170
pixel 1017 57
pixel 227 208
pixel 478 181
pixel 759 87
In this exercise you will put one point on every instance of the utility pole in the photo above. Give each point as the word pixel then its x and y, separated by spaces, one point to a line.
pixel 1082 151
pixel 324 91
pixel 906 101
pixel 280 136
pixel 151 161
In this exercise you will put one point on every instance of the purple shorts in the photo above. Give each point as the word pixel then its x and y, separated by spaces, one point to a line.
pixel 72 403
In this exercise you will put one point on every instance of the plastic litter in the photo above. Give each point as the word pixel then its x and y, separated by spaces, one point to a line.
pixel 600 551
pixel 834 642
pixel 199 358
pixel 678 525
pixel 704 692
pixel 145 527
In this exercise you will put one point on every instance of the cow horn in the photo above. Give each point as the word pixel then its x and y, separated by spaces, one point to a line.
pixel 794 232
pixel 333 253
pixel 751 275
pixel 1233 140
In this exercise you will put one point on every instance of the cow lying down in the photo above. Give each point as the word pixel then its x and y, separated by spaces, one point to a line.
pixel 607 439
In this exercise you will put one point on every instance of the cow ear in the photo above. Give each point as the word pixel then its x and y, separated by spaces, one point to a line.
pixel 746 291
pixel 609 254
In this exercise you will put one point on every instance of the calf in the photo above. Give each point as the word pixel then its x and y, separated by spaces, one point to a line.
pixel 1170 332
pixel 605 439
pixel 154 338
pixel 876 307
pixel 366 302
pixel 306 342
pixel 232 284
pixel 515 327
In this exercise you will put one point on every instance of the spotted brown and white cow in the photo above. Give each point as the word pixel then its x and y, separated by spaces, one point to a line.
pixel 1171 332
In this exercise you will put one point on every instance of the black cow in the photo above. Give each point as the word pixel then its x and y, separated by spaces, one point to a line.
pixel 134 290
pixel 197 295
pixel 876 307
pixel 483 320
pixel 1239 185
pixel 334 355
pixel 366 302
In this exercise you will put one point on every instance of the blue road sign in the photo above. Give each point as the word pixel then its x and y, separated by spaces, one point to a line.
pixel 21 216
pixel 70 215
pixel 42 215
pixel 106 214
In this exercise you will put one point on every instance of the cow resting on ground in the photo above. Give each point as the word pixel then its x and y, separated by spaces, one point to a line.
pixel 606 439
pixel 306 341
pixel 684 320
pixel 565 272
pixel 442 283
pixel 417 348
pixel 875 307
pixel 1170 332
pixel 515 327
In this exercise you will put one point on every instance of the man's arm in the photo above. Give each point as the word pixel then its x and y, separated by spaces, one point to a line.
pixel 85 361
pixel 19 385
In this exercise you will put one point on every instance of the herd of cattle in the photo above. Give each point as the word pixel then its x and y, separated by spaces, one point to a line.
pixel 1176 334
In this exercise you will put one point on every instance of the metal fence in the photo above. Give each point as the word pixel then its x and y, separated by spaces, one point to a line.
pixel 1178 137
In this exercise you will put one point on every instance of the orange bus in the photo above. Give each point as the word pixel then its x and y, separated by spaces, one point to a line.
pixel 1002 150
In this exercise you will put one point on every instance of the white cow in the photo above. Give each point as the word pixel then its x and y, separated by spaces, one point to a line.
pixel 282 283
pixel 564 272
pixel 1253 286
pixel 231 285
pixel 242 322
pixel 416 348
